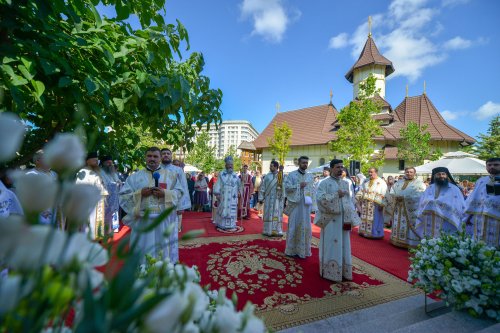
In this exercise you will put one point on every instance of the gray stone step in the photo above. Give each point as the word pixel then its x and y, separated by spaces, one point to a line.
pixel 454 321
pixel 347 322
pixel 491 329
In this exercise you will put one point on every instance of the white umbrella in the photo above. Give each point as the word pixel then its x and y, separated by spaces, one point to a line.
pixel 319 168
pixel 457 166
pixel 191 168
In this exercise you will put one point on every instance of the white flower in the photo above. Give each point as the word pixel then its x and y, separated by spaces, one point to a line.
pixel 37 246
pixel 165 316
pixel 188 273
pixel 12 132
pixel 254 325
pixel 10 293
pixel 78 200
pixel 36 192
pixel 190 328
pixel 454 271
pixel 81 249
pixel 430 272
pixel 195 294
pixel 11 230
pixel 65 153
pixel 226 320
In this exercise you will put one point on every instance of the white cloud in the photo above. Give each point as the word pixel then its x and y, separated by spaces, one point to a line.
pixel 270 19
pixel 405 34
pixel 452 115
pixel 487 110
pixel 457 43
pixel 339 41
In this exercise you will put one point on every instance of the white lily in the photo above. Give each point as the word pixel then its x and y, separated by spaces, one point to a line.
pixel 12 132
pixel 36 246
pixel 36 192
pixel 78 200
pixel 166 315
pixel 65 153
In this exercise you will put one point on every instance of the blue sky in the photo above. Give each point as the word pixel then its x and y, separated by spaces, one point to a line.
pixel 260 52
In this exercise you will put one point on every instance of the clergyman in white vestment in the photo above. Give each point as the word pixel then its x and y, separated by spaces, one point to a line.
pixel 272 195
pixel 140 194
pixel 227 189
pixel 300 194
pixel 336 215
pixel 441 206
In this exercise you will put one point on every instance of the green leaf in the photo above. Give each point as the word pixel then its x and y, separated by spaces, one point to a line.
pixel 25 72
pixel 64 82
pixel 119 103
pixel 90 85
pixel 48 67
pixel 39 87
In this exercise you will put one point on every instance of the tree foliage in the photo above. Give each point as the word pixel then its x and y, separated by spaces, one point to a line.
pixel 279 143
pixel 414 146
pixel 355 137
pixel 488 145
pixel 65 68
pixel 202 155
pixel 233 152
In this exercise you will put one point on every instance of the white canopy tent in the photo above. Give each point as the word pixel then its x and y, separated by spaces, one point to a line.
pixel 319 168
pixel 459 163
pixel 191 168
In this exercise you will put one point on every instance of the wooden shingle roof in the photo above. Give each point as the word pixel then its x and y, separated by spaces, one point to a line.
pixel 420 110
pixel 370 56
pixel 317 124
pixel 310 126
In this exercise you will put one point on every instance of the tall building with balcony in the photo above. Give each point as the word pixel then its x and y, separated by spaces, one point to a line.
pixel 230 133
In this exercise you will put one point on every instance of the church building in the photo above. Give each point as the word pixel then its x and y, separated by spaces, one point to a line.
pixel 314 127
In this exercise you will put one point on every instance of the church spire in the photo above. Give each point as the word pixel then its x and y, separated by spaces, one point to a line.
pixel 424 88
pixel 369 26
pixel 331 96
pixel 278 106
pixel 406 90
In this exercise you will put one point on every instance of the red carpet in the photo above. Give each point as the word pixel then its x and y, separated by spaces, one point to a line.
pixel 258 271
pixel 379 253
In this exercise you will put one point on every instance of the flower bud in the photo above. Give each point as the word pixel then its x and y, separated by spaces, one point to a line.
pixel 78 201
pixel 36 192
pixel 64 153
pixel 12 132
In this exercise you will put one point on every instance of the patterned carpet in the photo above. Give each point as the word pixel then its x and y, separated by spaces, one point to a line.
pixel 286 291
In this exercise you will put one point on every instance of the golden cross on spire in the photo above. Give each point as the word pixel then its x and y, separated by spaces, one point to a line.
pixel 369 26
pixel 278 107
pixel 331 96
pixel 424 87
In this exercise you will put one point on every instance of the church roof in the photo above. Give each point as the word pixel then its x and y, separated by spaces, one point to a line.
pixel 317 125
pixel 421 110
pixel 310 126
pixel 370 56
pixel 245 145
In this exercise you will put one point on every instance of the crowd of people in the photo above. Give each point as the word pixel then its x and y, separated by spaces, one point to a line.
pixel 414 208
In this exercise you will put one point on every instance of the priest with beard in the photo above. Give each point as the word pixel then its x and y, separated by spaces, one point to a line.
pixel 336 215
pixel 185 200
pixel 227 191
pixel 146 194
pixel 441 206
pixel 482 207
pixel 113 184
pixel 401 203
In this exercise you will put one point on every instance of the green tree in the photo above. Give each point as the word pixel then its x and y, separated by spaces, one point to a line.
pixel 233 152
pixel 414 146
pixel 202 155
pixel 279 144
pixel 488 145
pixel 65 68
pixel 355 137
